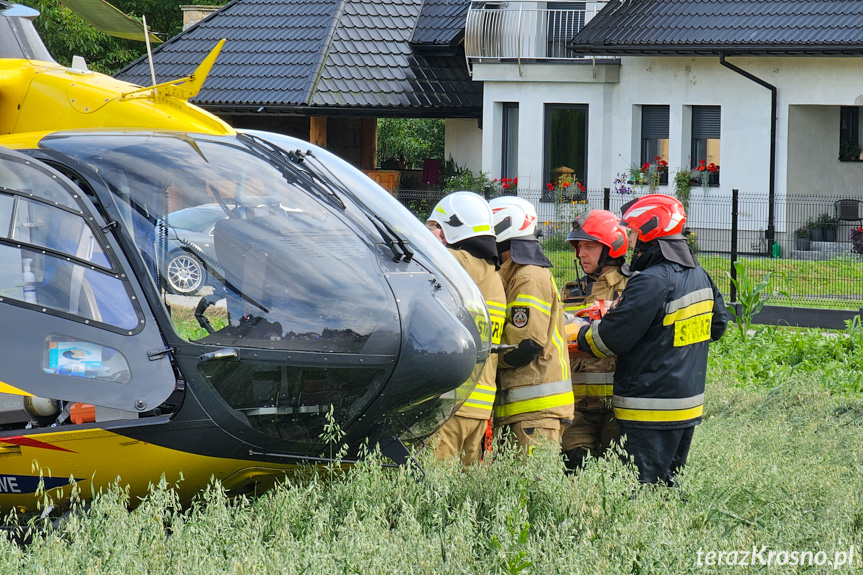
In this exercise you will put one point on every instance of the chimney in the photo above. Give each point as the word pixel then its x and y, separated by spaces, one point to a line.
pixel 194 14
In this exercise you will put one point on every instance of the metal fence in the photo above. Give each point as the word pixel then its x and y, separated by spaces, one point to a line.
pixel 808 250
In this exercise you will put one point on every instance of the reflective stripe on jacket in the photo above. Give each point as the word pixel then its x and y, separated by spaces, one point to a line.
pixel 543 387
pixel 660 331
pixel 480 402
pixel 592 377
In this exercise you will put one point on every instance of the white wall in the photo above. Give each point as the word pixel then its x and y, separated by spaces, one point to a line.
pixel 463 142
pixel 821 85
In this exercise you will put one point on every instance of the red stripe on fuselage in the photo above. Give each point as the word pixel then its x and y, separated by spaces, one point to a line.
pixel 29 442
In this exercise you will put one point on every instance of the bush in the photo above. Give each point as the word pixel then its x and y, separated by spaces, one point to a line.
pixel 413 138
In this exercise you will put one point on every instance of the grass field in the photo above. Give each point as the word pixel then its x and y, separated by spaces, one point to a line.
pixel 836 283
pixel 778 462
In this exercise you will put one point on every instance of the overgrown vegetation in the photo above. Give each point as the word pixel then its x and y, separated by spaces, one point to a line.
pixel 776 463
pixel 776 467
pixel 829 361
pixel 65 34
pixel 410 139
pixel 751 298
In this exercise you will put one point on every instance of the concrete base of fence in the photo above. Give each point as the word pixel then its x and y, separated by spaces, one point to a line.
pixel 803 316
pixel 822 251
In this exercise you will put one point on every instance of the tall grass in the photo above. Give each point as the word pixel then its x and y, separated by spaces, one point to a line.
pixel 778 461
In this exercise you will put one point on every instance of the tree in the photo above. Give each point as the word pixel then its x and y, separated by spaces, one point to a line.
pixel 414 138
pixel 66 35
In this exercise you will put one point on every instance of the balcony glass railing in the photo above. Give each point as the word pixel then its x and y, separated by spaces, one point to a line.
pixel 518 30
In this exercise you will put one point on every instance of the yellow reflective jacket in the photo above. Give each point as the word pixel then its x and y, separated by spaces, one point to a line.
pixel 593 378
pixel 542 388
pixel 479 404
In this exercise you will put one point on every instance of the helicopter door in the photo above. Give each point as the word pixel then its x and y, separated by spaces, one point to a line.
pixel 73 325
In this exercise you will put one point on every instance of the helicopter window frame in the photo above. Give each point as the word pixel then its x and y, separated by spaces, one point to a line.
pixel 114 270
pixel 6 239
pixel 45 308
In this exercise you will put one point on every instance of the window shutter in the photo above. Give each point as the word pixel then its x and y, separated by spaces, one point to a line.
pixel 654 122
pixel 706 121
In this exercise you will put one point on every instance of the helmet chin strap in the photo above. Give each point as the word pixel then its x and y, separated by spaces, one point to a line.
pixel 601 263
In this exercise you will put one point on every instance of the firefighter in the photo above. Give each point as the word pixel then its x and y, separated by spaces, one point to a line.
pixel 660 330
pixel 600 245
pixel 534 387
pixel 463 220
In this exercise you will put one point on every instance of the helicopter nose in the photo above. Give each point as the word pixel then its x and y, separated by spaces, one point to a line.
pixel 438 354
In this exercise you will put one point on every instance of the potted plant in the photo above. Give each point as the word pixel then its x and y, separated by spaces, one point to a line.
pixel 707 174
pixel 802 235
pixel 828 227
pixel 815 232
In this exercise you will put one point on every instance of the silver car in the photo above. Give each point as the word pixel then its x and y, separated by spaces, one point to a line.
pixel 188 241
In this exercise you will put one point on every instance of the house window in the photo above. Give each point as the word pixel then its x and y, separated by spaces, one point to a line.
pixel 849 133
pixel 706 121
pixel 654 137
pixel 565 144
pixel 509 143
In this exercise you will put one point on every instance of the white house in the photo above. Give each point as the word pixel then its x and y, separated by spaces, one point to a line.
pixel 686 80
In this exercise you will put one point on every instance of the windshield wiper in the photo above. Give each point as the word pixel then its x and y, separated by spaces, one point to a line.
pixel 317 176
pixel 284 159
pixel 394 240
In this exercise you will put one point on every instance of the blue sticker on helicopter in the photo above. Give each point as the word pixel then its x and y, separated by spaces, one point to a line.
pixel 29 483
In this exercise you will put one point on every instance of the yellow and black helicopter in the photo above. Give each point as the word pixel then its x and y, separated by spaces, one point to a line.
pixel 324 299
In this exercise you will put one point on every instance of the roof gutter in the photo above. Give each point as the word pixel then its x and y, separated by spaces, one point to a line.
pixel 771 209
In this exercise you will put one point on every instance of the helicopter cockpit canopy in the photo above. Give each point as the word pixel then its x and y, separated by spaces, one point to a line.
pixel 321 287
pixel 329 296
pixel 18 37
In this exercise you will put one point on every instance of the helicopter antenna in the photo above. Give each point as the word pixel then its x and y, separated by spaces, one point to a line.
pixel 149 53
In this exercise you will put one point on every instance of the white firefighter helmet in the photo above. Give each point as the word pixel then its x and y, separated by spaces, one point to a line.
pixel 513 217
pixel 462 215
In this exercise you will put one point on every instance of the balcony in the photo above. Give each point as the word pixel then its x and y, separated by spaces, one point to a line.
pixel 523 31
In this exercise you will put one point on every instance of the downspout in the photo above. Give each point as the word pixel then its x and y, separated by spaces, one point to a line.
pixel 771 208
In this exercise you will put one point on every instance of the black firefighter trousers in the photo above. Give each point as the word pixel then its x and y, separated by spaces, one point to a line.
pixel 658 453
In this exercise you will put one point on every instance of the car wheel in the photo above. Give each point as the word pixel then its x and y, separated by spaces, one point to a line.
pixel 185 274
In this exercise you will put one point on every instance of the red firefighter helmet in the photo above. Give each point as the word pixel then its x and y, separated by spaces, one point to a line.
pixel 654 216
pixel 599 226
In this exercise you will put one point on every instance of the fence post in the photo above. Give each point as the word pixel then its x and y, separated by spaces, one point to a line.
pixel 606 198
pixel 734 199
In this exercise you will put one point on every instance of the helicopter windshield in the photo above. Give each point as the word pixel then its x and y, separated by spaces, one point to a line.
pixel 388 208
pixel 279 266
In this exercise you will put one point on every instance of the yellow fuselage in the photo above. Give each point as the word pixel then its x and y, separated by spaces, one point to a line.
pixel 96 458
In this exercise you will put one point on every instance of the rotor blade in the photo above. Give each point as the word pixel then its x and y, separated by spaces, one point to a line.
pixel 109 19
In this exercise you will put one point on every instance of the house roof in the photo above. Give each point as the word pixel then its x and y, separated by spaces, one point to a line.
pixel 768 27
pixel 440 25
pixel 318 57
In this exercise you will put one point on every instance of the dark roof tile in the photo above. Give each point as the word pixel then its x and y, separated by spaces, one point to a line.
pixel 440 23
pixel 273 49
pixel 724 26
